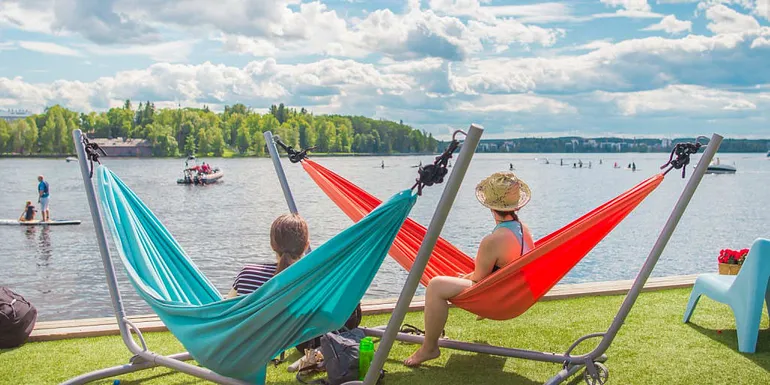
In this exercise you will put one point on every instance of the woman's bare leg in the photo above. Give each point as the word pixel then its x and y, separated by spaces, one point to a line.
pixel 440 290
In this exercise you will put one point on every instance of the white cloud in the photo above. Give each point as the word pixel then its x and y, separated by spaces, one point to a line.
pixel 760 42
pixel 246 45
pixel 726 20
pixel 7 45
pixel 516 103
pixel 675 99
pixel 670 24
pixel 277 28
pixel 48 48
pixel 631 5
pixel 32 15
pixel 171 52
pixel 627 65
pixel 762 9
pixel 259 82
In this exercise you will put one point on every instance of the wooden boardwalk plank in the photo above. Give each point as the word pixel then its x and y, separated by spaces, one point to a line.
pixel 92 327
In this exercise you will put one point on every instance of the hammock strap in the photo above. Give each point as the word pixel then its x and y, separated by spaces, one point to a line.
pixel 294 155
pixel 92 154
pixel 435 173
pixel 682 152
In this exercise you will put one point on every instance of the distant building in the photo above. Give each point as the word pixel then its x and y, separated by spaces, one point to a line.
pixel 12 115
pixel 665 143
pixel 125 147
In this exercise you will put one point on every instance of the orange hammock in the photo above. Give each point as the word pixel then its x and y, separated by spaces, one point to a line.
pixel 514 288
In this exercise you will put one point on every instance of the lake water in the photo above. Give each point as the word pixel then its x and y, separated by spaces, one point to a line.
pixel 227 225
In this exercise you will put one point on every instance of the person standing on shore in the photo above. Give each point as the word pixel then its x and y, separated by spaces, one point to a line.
pixel 43 192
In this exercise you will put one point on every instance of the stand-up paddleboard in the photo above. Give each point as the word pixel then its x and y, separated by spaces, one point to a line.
pixel 16 222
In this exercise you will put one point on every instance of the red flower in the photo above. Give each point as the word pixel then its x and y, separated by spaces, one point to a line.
pixel 732 256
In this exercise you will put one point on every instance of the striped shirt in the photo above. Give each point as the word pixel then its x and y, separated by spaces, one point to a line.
pixel 252 277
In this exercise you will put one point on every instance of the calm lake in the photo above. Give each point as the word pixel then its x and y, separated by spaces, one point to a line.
pixel 227 225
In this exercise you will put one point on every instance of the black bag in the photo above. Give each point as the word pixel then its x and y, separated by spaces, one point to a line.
pixel 17 318
pixel 350 324
pixel 340 350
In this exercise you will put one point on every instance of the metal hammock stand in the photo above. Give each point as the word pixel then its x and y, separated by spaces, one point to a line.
pixel 596 372
pixel 143 357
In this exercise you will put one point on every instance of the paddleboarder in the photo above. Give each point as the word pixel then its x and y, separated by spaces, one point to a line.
pixel 43 197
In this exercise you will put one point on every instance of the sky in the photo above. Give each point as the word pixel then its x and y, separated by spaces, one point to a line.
pixel 661 68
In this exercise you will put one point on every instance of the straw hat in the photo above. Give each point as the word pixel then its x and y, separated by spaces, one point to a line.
pixel 503 191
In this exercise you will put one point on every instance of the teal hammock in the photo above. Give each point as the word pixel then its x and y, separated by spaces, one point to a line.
pixel 237 337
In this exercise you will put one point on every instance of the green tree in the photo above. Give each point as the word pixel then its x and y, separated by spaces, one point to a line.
pixel 232 123
pixel 5 136
pixel 204 142
pixel 217 141
pixel 47 136
pixel 258 145
pixel 268 122
pixel 322 140
pixel 189 145
pixel 101 125
pixel 243 140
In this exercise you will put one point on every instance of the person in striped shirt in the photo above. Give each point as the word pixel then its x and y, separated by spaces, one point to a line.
pixel 289 239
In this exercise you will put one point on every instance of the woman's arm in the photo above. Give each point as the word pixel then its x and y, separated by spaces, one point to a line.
pixel 485 259
pixel 232 293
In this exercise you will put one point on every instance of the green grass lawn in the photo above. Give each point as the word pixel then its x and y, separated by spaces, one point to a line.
pixel 654 347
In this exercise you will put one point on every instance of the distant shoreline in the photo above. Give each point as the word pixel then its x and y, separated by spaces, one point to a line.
pixel 329 155
pixel 311 155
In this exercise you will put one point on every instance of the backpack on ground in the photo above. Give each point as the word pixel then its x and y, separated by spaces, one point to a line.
pixel 17 318
pixel 340 352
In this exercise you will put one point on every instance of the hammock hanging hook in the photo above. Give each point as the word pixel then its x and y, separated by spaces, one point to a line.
pixel 434 173
pixel 683 152
pixel 92 154
pixel 294 155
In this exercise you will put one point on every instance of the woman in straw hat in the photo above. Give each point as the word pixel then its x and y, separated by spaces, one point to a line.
pixel 504 194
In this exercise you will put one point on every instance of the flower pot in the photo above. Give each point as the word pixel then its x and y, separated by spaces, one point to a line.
pixel 729 269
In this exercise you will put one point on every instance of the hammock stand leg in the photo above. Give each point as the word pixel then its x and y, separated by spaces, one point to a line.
pixel 279 171
pixel 426 248
pixel 143 358
pixel 572 364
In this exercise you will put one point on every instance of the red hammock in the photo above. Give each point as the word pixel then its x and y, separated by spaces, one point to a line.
pixel 513 289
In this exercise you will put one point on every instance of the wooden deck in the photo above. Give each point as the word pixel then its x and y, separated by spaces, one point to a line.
pixel 91 327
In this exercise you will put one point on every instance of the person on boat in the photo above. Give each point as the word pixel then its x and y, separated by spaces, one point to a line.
pixel 504 195
pixel 205 168
pixel 29 213
pixel 43 191
pixel 289 239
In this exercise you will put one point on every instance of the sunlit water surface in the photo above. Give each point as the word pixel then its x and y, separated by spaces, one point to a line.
pixel 225 226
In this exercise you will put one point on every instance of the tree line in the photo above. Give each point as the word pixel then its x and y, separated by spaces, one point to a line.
pixel 186 131
pixel 573 144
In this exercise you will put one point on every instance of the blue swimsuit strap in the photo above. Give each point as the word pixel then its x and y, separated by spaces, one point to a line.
pixel 516 228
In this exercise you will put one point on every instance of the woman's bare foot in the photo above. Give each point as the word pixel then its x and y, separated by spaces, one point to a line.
pixel 422 355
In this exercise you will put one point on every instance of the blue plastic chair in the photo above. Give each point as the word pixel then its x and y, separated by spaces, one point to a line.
pixel 744 293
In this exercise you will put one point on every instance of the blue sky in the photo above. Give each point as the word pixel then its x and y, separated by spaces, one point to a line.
pixel 520 68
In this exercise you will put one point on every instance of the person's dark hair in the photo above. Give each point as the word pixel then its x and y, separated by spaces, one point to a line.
pixel 288 238
pixel 507 213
